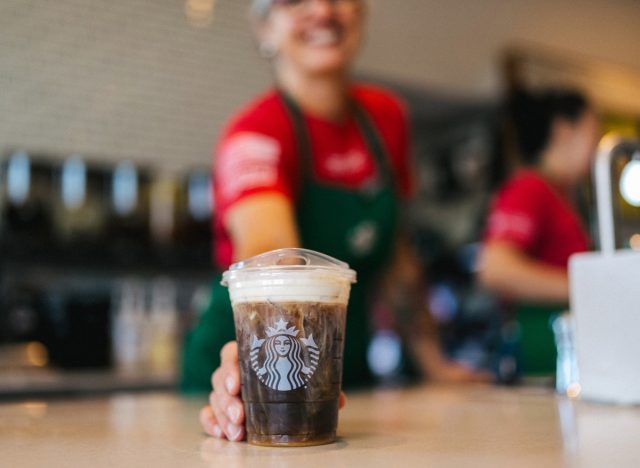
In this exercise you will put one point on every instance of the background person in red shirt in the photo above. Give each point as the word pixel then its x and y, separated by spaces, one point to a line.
pixel 533 226
pixel 320 162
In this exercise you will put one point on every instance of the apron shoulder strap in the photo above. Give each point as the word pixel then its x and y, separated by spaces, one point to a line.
pixel 301 134
pixel 372 138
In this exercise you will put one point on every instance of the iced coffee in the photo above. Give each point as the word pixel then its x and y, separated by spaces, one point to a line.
pixel 290 311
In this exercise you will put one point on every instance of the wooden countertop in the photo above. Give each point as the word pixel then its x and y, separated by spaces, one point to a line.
pixel 427 426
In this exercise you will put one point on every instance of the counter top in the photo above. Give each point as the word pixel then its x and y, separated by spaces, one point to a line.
pixel 21 384
pixel 425 426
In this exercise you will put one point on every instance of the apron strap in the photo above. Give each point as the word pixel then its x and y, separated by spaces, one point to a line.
pixel 373 140
pixel 369 132
pixel 301 133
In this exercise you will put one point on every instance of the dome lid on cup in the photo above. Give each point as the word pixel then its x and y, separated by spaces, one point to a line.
pixel 289 260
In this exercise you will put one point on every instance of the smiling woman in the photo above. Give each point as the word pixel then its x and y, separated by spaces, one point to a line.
pixel 320 162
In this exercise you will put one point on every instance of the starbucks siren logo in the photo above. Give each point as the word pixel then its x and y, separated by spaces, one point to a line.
pixel 288 361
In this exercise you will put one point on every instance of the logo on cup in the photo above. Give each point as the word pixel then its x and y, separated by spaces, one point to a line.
pixel 288 362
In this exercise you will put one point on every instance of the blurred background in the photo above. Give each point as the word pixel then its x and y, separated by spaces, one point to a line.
pixel 109 113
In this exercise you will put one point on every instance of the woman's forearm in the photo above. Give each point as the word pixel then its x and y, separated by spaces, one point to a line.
pixel 403 289
pixel 506 270
pixel 261 223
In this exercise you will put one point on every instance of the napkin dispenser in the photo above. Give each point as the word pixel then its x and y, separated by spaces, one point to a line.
pixel 605 300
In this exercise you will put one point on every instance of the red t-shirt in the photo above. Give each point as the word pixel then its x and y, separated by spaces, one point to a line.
pixel 531 214
pixel 258 153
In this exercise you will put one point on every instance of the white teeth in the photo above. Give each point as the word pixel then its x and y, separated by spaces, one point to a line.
pixel 323 37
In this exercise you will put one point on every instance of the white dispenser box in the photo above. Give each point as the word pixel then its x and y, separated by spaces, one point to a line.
pixel 605 300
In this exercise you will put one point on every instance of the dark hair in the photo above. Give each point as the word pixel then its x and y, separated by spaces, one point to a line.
pixel 532 114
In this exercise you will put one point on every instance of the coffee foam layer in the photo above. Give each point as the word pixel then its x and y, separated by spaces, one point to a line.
pixel 291 287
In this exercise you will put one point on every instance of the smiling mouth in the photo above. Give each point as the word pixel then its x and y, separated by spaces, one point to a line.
pixel 324 37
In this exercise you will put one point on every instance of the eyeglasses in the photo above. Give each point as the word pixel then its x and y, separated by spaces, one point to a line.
pixel 304 6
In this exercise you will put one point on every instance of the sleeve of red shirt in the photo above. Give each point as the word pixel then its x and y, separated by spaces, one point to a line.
pixel 517 212
pixel 390 116
pixel 254 156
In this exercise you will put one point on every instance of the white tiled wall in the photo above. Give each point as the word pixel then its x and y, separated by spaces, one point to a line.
pixel 122 78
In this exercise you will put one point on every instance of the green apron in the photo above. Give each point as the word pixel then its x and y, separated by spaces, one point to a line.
pixel 537 347
pixel 357 226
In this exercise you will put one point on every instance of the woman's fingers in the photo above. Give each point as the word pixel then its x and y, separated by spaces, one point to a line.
pixel 227 402
pixel 225 427
pixel 218 412
pixel 209 422
pixel 224 403
pixel 231 406
pixel 234 433
pixel 231 368
pixel 342 401
pixel 226 408
pixel 230 430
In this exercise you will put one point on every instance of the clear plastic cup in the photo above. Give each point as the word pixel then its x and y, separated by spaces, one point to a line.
pixel 567 378
pixel 289 309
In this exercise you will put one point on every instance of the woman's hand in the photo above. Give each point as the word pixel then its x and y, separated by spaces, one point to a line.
pixel 451 371
pixel 223 417
pixel 438 368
